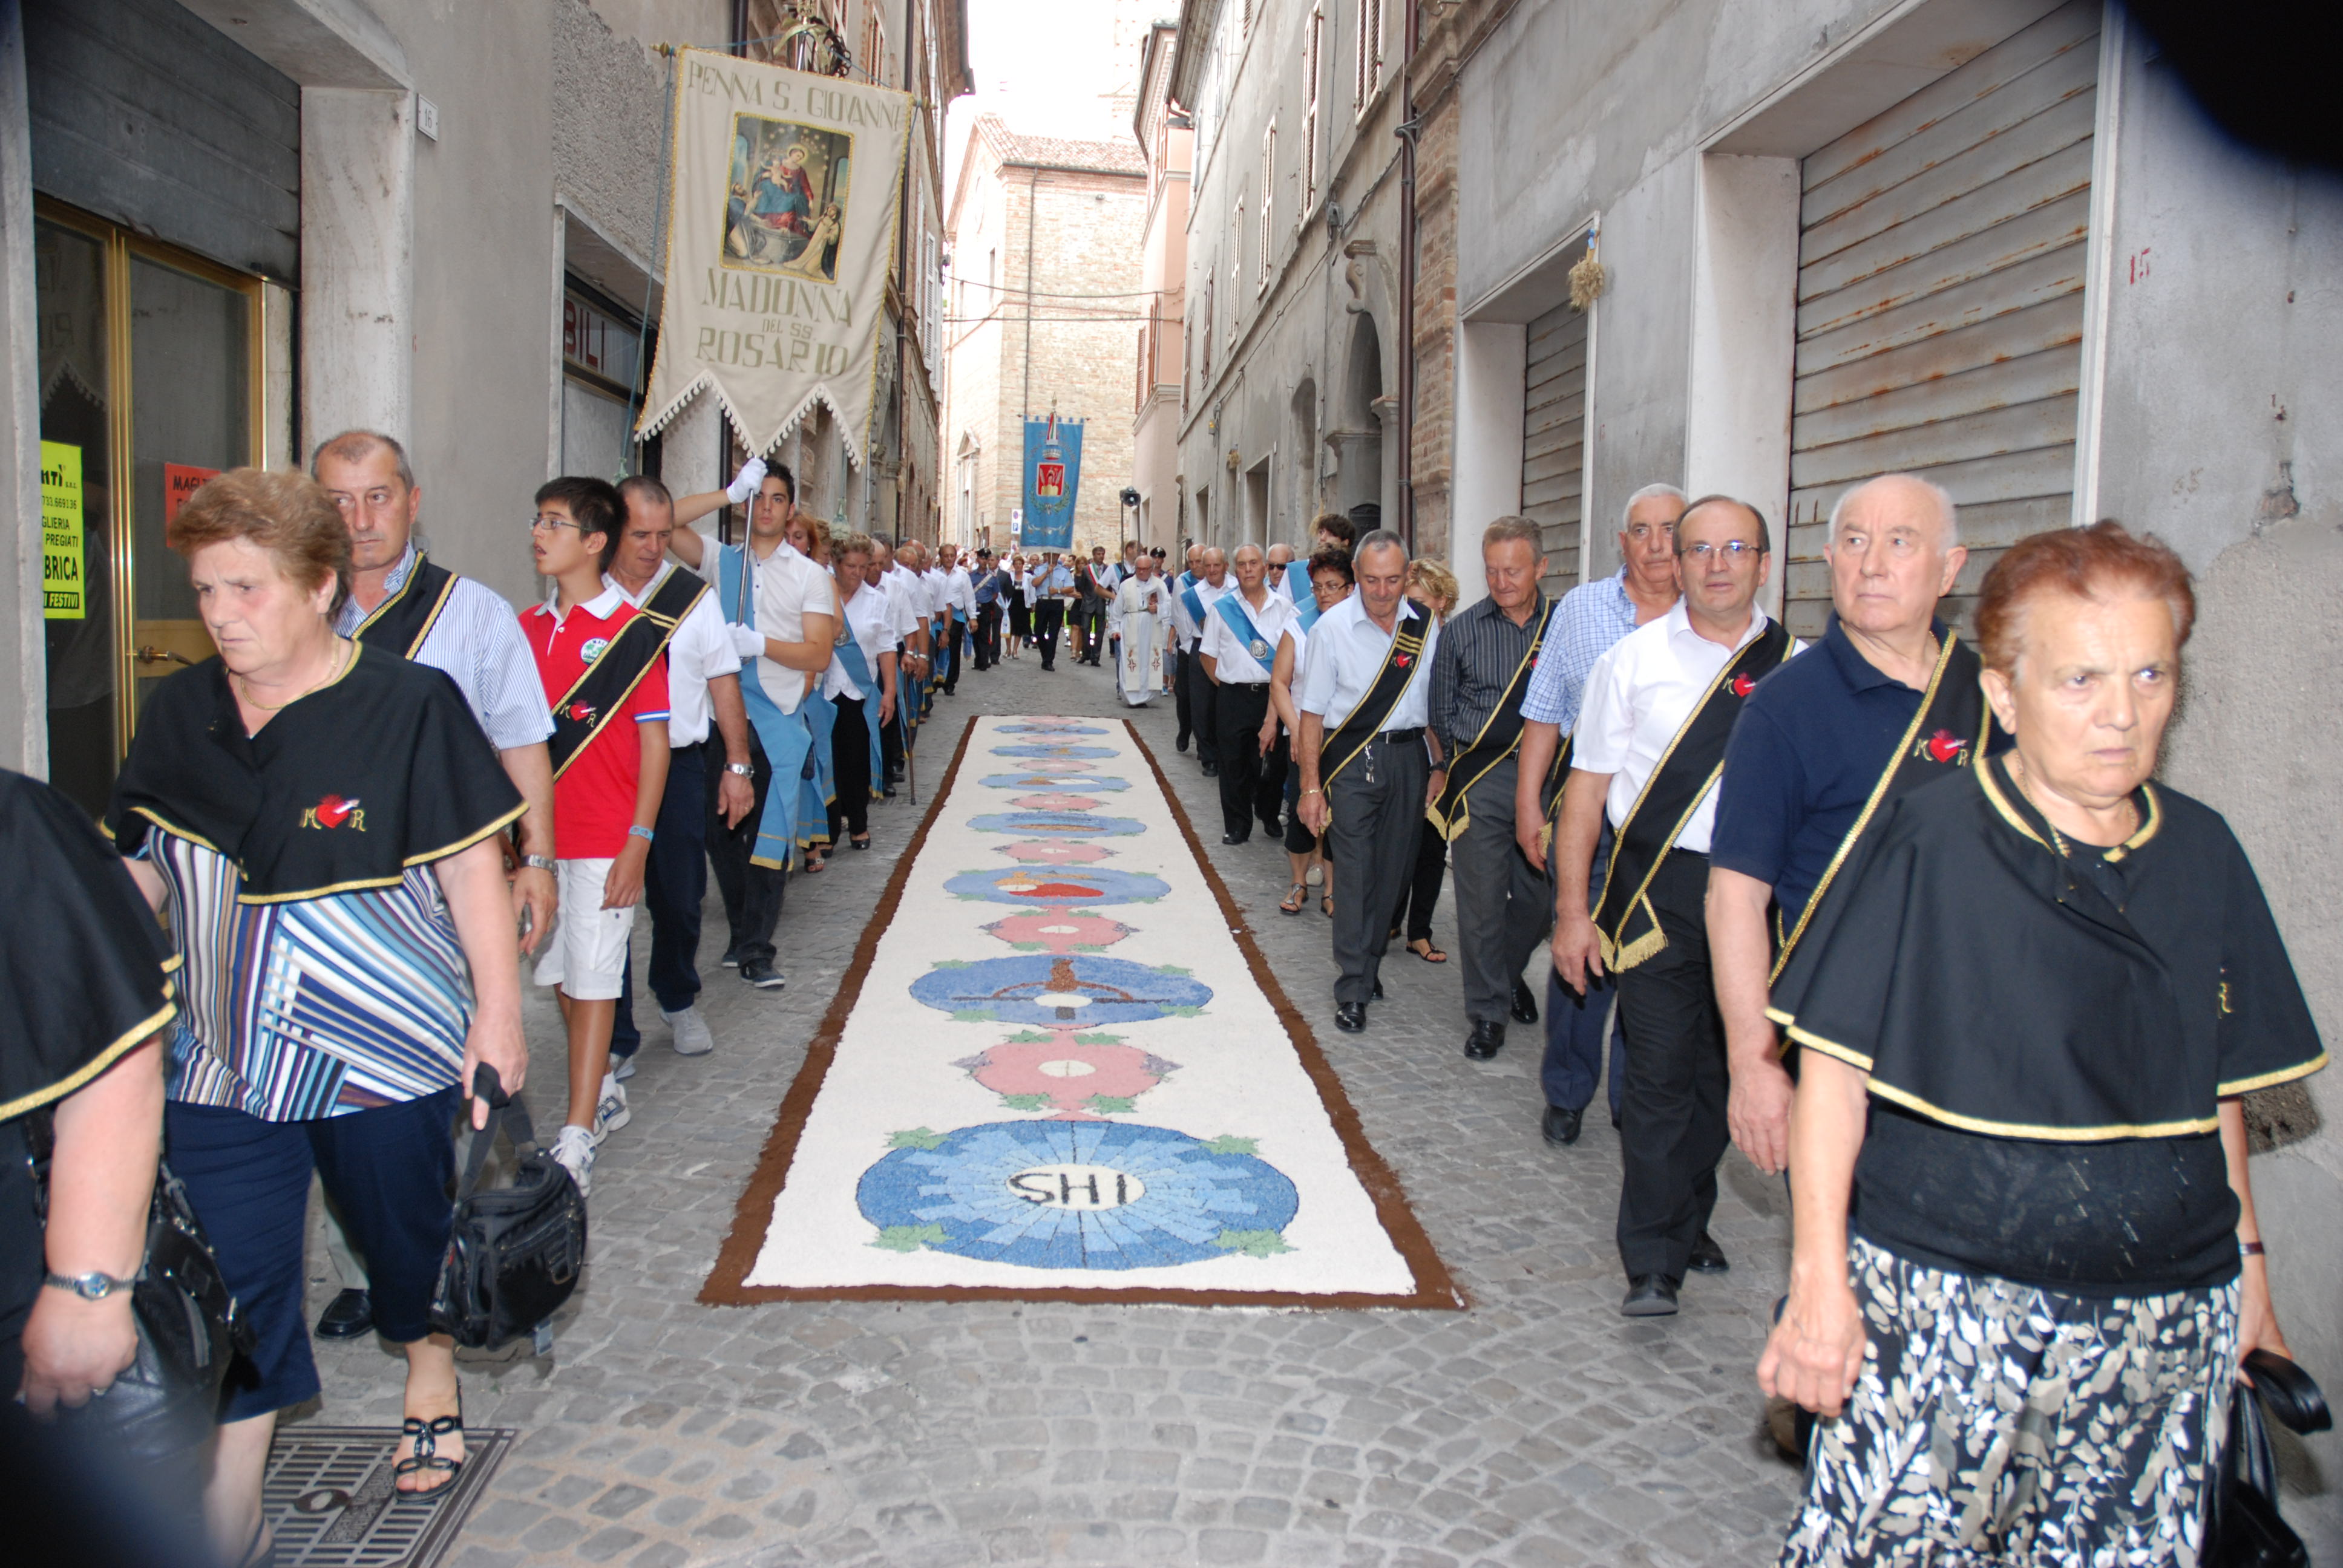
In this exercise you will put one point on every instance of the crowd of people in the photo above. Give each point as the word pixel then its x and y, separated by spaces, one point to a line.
pixel 1901 915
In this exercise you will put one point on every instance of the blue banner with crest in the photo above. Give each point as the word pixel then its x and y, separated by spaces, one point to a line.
pixel 1053 477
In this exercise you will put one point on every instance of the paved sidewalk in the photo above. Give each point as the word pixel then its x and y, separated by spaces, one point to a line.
pixel 1537 1428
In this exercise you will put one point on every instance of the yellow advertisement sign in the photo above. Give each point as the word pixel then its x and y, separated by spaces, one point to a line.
pixel 64 592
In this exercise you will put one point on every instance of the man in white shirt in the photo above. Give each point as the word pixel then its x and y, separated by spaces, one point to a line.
pixel 1134 614
pixel 1650 737
pixel 1239 647
pixel 1195 613
pixel 959 596
pixel 1053 588
pixel 1281 571
pixel 1369 765
pixel 1184 633
pixel 768 592
pixel 703 686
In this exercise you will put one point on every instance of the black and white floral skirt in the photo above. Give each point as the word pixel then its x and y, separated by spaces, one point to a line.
pixel 1998 1423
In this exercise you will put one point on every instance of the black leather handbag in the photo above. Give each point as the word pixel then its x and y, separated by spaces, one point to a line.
pixel 2242 1528
pixel 165 1403
pixel 515 1251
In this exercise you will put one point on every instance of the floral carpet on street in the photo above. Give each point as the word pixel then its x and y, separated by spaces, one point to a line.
pixel 1058 1068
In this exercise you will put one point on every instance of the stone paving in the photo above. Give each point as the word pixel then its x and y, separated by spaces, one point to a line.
pixel 1537 1428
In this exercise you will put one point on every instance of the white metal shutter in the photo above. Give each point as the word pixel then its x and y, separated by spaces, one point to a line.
pixel 1940 301
pixel 1554 439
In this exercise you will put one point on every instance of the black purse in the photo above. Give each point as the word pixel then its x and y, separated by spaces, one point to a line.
pixel 2242 1528
pixel 165 1403
pixel 513 1252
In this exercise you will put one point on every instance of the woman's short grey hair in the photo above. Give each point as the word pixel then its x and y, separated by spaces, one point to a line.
pixel 1648 492
pixel 1376 540
pixel 1945 510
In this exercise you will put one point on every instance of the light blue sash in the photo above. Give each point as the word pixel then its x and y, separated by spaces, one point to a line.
pixel 1297 582
pixel 817 787
pixel 1233 610
pixel 1195 603
pixel 785 736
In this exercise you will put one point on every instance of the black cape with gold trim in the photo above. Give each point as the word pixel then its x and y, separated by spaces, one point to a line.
pixel 345 789
pixel 1985 984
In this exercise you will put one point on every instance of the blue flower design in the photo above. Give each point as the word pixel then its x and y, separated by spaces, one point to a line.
pixel 1037 886
pixel 1058 824
pixel 1041 777
pixel 1084 990
pixel 1047 751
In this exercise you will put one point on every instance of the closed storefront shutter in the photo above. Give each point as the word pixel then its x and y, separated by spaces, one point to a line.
pixel 1554 439
pixel 1940 301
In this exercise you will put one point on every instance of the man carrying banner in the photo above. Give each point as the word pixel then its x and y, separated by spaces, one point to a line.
pixel 992 592
pixel 1054 587
pixel 1239 649
pixel 1196 602
pixel 1504 901
pixel 779 605
pixel 1368 763
pixel 1136 614
pixel 1650 739
pixel 1890 700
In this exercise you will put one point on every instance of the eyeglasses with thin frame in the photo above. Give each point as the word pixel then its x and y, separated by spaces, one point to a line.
pixel 1733 550
pixel 549 522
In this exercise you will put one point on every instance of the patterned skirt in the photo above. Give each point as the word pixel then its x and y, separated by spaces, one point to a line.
pixel 1998 1423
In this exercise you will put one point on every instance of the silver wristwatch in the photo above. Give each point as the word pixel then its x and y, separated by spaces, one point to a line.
pixel 742 768
pixel 538 862
pixel 90 1287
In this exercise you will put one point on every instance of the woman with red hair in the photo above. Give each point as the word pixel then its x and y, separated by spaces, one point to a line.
pixel 2025 1021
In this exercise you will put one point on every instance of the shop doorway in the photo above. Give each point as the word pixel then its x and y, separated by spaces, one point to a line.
pixel 151 382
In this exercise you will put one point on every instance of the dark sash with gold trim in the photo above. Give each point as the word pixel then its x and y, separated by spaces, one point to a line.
pixel 1623 915
pixel 400 623
pixel 1452 813
pixel 611 680
pixel 1401 663
pixel 1951 729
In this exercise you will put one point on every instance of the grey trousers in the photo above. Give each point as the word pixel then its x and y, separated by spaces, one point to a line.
pixel 1504 906
pixel 1374 832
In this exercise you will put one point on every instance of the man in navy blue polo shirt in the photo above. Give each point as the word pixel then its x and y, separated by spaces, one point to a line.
pixel 1888 701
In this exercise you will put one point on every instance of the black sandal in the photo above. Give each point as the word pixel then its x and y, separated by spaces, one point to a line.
pixel 861 843
pixel 256 1555
pixel 1295 899
pixel 426 1459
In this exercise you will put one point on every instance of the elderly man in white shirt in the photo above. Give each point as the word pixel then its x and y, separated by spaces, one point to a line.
pixel 1192 608
pixel 1242 631
pixel 1369 765
pixel 1650 739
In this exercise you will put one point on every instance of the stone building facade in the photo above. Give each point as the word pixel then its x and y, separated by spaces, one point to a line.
pixel 1167 142
pixel 1046 304
pixel 1292 299
pixel 1993 241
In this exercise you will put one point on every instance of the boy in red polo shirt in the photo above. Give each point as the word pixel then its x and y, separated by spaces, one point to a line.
pixel 608 691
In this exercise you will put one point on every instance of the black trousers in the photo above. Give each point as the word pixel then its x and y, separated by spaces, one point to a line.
pixel 1253 786
pixel 752 893
pixel 1090 615
pixel 675 886
pixel 1181 702
pixel 948 653
pixel 1372 836
pixel 1048 616
pixel 1203 709
pixel 891 735
pixel 849 751
pixel 1672 1128
pixel 987 636
pixel 1422 894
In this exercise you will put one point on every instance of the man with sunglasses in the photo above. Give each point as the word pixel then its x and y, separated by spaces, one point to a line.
pixel 1650 737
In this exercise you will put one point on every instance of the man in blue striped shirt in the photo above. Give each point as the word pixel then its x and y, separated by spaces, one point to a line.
pixel 1591 619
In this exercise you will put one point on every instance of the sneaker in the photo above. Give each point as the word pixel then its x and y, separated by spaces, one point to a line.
pixel 622 1067
pixel 691 1035
pixel 731 957
pixel 760 973
pixel 610 1112
pixel 573 1151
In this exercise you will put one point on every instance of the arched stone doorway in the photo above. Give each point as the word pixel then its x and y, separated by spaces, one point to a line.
pixel 1357 438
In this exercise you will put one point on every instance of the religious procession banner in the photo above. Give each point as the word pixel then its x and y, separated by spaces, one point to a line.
pixel 1053 477
pixel 782 219
pixel 1070 1075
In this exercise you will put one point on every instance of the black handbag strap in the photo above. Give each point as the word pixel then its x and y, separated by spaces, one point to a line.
pixel 504 1111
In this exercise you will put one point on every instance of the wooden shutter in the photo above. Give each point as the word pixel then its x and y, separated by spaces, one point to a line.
pixel 1940 301
pixel 1554 439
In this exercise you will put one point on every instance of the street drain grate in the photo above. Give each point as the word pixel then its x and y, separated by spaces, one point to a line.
pixel 330 1499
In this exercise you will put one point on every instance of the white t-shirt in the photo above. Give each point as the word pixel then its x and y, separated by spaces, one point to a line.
pixel 700 650
pixel 871 622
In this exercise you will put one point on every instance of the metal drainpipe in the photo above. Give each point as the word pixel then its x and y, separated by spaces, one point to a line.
pixel 1407 132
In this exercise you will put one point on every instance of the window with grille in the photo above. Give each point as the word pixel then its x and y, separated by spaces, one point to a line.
pixel 1268 186
pixel 1368 73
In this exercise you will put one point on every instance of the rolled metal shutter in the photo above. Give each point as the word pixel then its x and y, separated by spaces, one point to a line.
pixel 1554 439
pixel 1940 301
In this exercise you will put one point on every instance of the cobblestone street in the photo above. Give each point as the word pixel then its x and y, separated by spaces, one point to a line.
pixel 1537 1427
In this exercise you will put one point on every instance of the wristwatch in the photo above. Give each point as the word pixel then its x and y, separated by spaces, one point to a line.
pixel 742 768
pixel 538 862
pixel 90 1287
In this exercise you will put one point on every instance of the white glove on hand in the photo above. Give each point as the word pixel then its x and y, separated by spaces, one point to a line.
pixel 748 642
pixel 744 483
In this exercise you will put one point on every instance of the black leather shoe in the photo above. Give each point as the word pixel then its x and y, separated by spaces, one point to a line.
pixel 1377 994
pixel 1350 1017
pixel 1486 1040
pixel 1561 1125
pixel 1180 743
pixel 1524 1004
pixel 1649 1296
pixel 1272 827
pixel 347 1316
pixel 1234 838
pixel 1212 770
pixel 1707 1257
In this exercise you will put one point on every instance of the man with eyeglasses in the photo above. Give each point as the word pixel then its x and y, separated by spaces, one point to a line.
pixel 407 604
pixel 1590 620
pixel 1651 735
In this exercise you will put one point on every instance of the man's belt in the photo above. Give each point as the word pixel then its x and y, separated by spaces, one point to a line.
pixel 1396 737
pixel 1402 661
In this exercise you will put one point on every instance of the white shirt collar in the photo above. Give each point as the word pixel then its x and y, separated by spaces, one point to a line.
pixel 1679 624
pixel 601 607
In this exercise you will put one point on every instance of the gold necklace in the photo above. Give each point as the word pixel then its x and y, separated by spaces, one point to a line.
pixel 341 662
pixel 2019 771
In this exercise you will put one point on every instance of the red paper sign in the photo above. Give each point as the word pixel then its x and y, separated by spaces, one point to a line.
pixel 181 480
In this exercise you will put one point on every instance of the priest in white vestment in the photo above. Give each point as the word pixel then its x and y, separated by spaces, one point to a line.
pixel 1136 615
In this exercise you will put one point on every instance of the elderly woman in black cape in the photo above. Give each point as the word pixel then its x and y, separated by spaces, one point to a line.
pixel 2044 988
pixel 320 819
